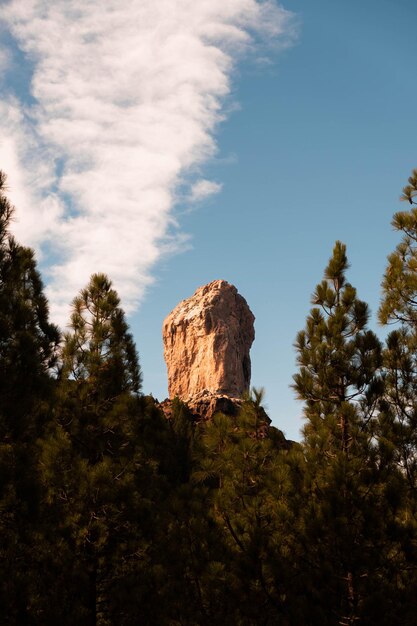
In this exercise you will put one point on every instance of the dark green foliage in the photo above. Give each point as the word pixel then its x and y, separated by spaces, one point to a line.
pixel 249 479
pixel 399 305
pixel 100 350
pixel 182 426
pixel 28 345
pixel 399 406
pixel 410 190
pixel 28 341
pixel 347 509
pixel 94 473
pixel 113 514
pixel 399 284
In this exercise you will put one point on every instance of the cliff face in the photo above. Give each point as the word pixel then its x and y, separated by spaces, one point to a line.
pixel 207 339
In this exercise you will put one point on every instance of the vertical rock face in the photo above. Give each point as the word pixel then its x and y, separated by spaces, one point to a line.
pixel 207 339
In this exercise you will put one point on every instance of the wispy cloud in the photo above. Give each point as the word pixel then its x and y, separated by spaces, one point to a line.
pixel 125 99
pixel 203 189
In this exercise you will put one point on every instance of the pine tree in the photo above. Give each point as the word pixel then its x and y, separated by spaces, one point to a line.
pixel 399 426
pixel 399 285
pixel 346 511
pixel 399 306
pixel 100 349
pixel 28 346
pixel 28 341
pixel 243 461
pixel 94 473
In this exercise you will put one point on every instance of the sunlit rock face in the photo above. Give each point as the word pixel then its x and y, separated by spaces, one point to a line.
pixel 207 339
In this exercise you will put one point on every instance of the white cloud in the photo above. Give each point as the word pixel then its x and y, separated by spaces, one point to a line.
pixel 38 211
pixel 203 189
pixel 128 95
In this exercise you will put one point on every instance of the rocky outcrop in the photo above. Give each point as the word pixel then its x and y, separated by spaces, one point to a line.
pixel 207 339
pixel 205 405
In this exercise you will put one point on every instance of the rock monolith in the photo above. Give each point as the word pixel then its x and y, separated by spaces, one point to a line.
pixel 207 339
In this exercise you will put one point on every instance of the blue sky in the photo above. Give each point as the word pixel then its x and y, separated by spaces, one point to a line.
pixel 316 145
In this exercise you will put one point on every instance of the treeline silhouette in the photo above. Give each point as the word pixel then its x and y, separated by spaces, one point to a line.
pixel 112 514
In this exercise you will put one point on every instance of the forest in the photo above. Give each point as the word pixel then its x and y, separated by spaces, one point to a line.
pixel 113 515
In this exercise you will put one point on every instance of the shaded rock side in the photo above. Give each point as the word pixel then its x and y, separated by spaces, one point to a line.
pixel 207 339
pixel 205 406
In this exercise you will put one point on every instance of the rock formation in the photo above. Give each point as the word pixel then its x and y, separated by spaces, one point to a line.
pixel 207 339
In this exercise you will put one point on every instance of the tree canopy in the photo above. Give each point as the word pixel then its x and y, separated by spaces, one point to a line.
pixel 114 512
